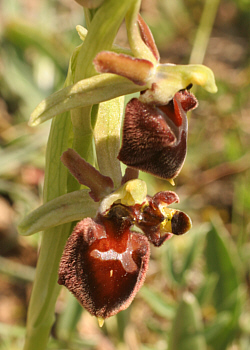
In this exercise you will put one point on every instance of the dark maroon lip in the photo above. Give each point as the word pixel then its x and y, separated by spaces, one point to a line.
pixel 155 137
pixel 104 264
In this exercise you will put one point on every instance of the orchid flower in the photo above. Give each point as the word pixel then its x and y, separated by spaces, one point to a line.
pixel 83 179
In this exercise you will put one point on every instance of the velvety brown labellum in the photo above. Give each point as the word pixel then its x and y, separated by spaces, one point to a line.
pixel 155 137
pixel 104 264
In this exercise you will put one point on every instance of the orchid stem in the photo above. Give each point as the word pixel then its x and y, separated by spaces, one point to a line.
pixel 102 31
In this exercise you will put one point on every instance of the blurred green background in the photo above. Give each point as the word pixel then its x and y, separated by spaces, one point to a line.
pixel 196 295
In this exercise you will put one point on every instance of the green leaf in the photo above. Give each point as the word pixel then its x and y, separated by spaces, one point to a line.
pixel 214 330
pixel 206 291
pixel 177 264
pixel 84 93
pixel 158 302
pixel 190 255
pixel 229 324
pixel 68 319
pixel 222 260
pixel 73 206
pixel 187 329
pixel 25 35
pixel 169 259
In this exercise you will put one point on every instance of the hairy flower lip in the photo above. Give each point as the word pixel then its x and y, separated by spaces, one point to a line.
pixel 155 137
pixel 104 264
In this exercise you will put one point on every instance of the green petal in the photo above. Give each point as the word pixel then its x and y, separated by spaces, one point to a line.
pixel 171 78
pixel 138 46
pixel 131 193
pixel 70 207
pixel 107 138
pixel 84 93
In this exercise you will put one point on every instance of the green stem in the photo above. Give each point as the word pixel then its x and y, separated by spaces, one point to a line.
pixel 204 31
pixel 45 289
pixel 102 31
pixel 101 34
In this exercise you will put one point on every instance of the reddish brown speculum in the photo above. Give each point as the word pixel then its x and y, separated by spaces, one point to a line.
pixel 155 137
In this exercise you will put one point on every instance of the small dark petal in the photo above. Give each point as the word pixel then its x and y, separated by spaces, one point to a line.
pixel 148 218
pixel 188 101
pixel 87 175
pixel 150 213
pixel 130 174
pixel 104 264
pixel 147 37
pixel 180 223
pixel 155 236
pixel 166 197
pixel 154 141
pixel 158 222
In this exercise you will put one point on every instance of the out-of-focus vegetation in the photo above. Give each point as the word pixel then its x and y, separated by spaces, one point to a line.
pixel 196 295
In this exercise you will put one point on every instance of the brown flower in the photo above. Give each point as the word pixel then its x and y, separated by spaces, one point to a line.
pixel 104 263
pixel 155 136
pixel 159 222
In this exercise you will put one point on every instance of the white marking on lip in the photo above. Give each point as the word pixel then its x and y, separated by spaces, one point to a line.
pixel 125 258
